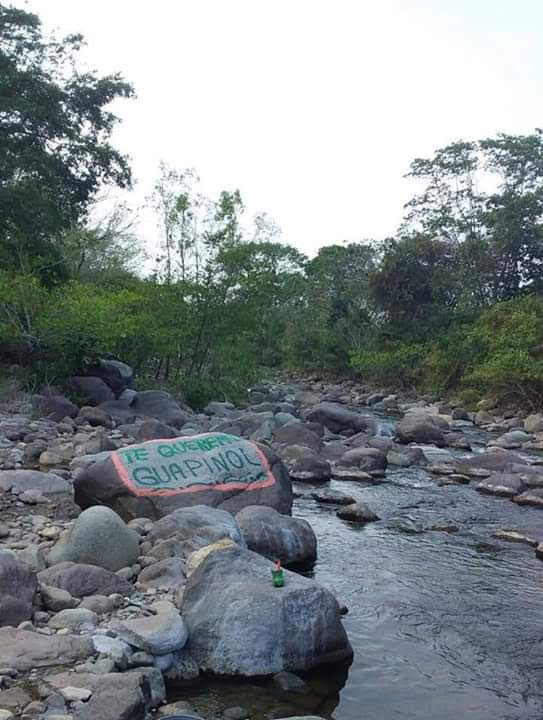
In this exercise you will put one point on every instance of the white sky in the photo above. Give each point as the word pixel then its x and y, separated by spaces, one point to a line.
pixel 312 108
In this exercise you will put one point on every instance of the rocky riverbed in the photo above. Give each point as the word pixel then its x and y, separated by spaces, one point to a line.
pixel 421 519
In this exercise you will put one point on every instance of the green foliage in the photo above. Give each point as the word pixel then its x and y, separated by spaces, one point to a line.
pixel 398 365
pixel 54 142
pixel 509 338
pixel 499 353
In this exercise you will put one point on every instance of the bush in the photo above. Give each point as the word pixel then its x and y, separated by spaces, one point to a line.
pixel 399 365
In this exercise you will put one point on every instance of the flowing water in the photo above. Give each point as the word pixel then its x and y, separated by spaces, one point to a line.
pixel 443 625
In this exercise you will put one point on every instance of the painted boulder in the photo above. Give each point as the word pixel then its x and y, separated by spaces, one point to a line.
pixel 154 478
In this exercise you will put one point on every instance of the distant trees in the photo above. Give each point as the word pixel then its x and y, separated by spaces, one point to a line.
pixel 452 302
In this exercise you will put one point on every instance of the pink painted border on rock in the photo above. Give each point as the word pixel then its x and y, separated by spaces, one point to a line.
pixel 142 492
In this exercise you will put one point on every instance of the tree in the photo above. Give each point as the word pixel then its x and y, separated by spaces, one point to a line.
pixel 496 232
pixel 331 315
pixel 55 153
pixel 107 249
pixel 413 287
pixel 178 206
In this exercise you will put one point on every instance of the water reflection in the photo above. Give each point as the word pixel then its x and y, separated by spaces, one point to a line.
pixel 443 624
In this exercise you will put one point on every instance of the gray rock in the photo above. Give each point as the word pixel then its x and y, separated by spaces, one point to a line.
pixel 117 375
pixel 494 460
pixel 47 484
pixel 154 430
pixel 534 423
pixel 369 459
pixel 54 407
pixel 161 406
pixel 184 668
pixel 240 625
pixel 80 580
pixel 287 682
pixel 55 599
pixel 224 409
pixel 534 497
pixel 155 478
pixel 156 683
pixel 172 547
pixel 100 604
pixel 94 416
pixel 101 666
pixel 91 389
pixel 18 587
pixel 336 417
pixel 511 440
pixel 334 497
pixel 115 696
pixel 277 537
pixel 97 537
pixel 75 694
pixel 169 573
pixel 304 465
pixel 73 618
pixel 196 527
pixel 24 650
pixel 158 635
pixel 419 428
pixel 503 484
pixel 113 648
pixel 357 512
pixel 297 433
pixel 33 556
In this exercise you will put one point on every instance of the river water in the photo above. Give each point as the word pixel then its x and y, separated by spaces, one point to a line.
pixel 443 625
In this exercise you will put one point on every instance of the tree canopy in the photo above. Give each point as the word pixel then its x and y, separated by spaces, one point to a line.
pixel 55 151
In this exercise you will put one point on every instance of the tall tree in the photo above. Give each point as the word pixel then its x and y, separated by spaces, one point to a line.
pixel 55 150
pixel 485 200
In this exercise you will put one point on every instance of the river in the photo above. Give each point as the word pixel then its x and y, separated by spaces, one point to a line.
pixel 443 625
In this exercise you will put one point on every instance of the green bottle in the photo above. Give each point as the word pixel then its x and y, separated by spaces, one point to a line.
pixel 278 579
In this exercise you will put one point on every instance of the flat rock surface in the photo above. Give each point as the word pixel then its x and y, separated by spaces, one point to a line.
pixel 24 650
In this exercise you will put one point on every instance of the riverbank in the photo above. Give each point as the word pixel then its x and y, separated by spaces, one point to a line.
pixel 425 471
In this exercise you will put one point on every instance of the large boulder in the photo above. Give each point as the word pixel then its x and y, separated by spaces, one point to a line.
pixel 419 428
pixel 97 537
pixel 160 405
pixel 92 390
pixel 48 484
pixel 239 624
pixel 18 586
pixel 297 433
pixel 195 527
pixel 494 460
pixel 533 496
pixel 53 407
pixel 336 417
pixel 369 459
pixel 277 537
pixel 501 484
pixel 117 375
pixel 304 465
pixel 81 580
pixel 155 478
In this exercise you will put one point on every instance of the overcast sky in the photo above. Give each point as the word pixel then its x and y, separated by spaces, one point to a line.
pixel 312 108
